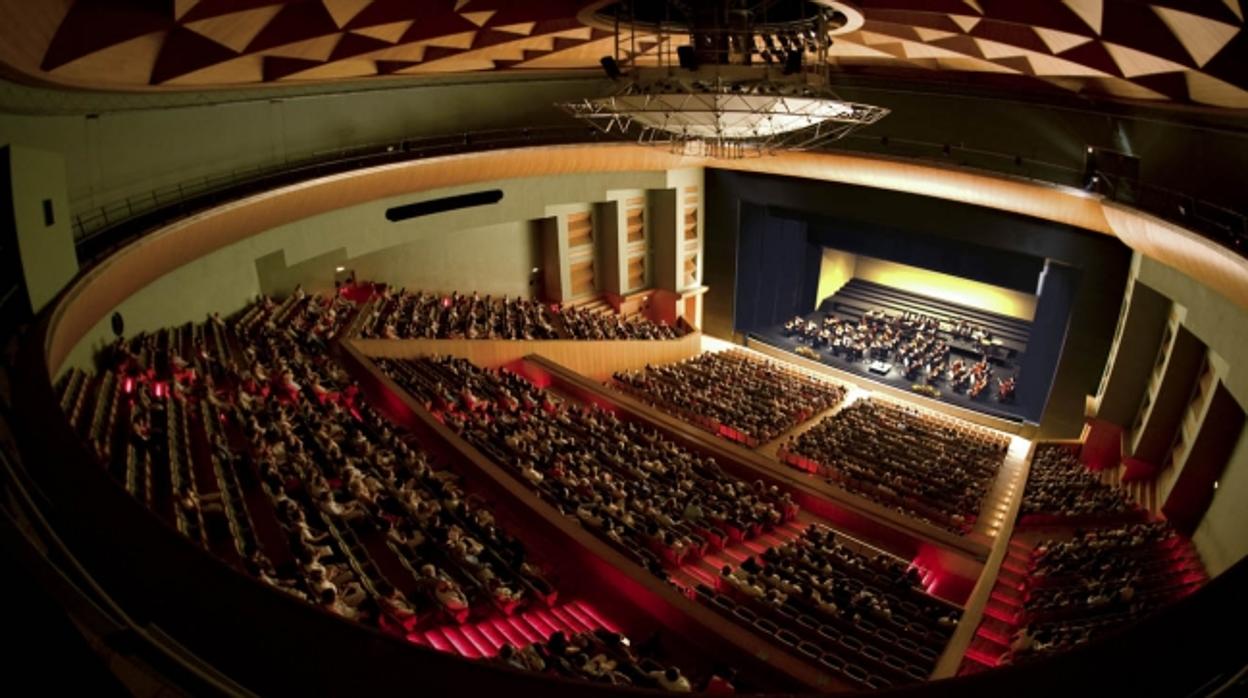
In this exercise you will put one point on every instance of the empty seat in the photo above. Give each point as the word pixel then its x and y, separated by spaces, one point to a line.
pixel 829 632
pixel 765 626
pixel 856 672
pixel 832 662
pixel 745 614
pixel 872 652
pixel 787 638
pixel 878 682
pixel 916 673
pixel 807 622
pixel 809 649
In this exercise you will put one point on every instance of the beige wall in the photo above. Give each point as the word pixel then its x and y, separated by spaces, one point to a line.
pixel 835 270
pixel 1222 537
pixel 954 289
pixel 48 257
pixel 487 248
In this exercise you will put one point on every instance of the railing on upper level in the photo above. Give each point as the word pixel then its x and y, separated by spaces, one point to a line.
pixel 98 230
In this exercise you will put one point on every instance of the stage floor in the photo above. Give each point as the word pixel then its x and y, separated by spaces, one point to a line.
pixel 986 402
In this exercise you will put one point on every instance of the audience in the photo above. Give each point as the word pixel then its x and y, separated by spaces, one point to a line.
pixel 926 466
pixel 346 495
pixel 758 399
pixel 816 589
pixel 626 483
pixel 1060 486
pixel 404 314
pixel 1098 581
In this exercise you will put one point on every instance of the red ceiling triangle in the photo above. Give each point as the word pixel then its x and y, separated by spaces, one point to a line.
pixel 185 51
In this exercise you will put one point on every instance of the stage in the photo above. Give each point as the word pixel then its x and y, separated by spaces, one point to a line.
pixel 857 297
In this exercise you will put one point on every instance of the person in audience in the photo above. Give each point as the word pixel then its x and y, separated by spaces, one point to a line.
pixel 881 450
pixel 755 400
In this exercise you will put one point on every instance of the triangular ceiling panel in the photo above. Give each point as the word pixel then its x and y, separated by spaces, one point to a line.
pixel 524 28
pixel 1210 90
pixel 295 23
pixel 389 67
pixel 1093 55
pixel 213 8
pixel 276 67
pixel 1043 65
pixel 318 49
pixel 237 29
pixel 1172 85
pixel 1202 38
pixel 1090 11
pixel 455 41
pixel 478 18
pixel 1236 8
pixel 181 7
pixel 974 65
pixel 842 48
pixel 974 5
pixel 90 27
pixel 994 49
pixel 185 51
pixel 344 11
pixel 962 44
pixel 915 50
pixel 1125 89
pixel 967 22
pixel 1060 41
pixel 241 70
pixel 128 62
pixel 391 32
pixel 932 34
pixel 1018 63
pixel 1019 35
pixel 352 44
pixel 1133 63
pixel 338 70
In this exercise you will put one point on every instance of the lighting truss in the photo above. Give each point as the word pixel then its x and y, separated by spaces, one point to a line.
pixel 726 118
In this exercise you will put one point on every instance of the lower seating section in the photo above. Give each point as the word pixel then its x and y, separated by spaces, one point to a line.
pixel 605 657
pixel 1100 580
pixel 403 314
pixel 733 394
pixel 631 487
pixel 1060 489
pixel 249 439
pixel 927 466
pixel 407 314
pixel 863 617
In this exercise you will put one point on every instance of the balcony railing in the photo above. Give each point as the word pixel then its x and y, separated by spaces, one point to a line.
pixel 98 230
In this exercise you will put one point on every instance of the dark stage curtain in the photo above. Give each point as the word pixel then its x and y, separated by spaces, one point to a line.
pixel 777 270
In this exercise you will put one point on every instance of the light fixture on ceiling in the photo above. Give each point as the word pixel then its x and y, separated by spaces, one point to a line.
pixel 744 84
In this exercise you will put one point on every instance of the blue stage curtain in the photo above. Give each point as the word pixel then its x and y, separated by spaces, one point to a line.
pixel 777 270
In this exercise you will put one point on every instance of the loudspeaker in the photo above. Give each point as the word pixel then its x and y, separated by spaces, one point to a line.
pixel 611 67
pixel 688 59
pixel 793 62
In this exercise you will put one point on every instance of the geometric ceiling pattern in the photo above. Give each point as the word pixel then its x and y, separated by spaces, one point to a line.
pixel 1187 51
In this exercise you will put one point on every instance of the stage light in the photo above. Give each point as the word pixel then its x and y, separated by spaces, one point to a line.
pixel 611 67
pixel 688 59
pixel 793 63
pixel 340 269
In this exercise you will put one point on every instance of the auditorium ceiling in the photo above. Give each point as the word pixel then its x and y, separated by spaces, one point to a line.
pixel 1184 51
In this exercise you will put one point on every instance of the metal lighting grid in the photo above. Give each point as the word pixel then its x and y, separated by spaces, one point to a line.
pixel 726 120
